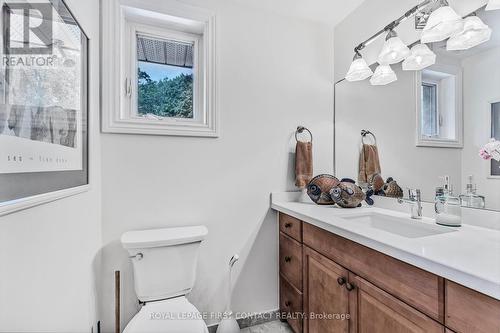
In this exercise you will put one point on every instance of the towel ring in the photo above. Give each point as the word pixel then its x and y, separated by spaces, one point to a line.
pixel 364 133
pixel 301 129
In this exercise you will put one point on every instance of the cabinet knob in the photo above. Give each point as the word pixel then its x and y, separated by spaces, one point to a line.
pixel 288 259
pixel 288 225
pixel 341 280
pixel 350 286
pixel 288 304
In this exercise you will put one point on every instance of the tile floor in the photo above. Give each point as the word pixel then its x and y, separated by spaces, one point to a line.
pixel 271 327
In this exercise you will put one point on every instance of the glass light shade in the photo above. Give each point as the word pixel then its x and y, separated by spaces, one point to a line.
pixel 493 5
pixel 475 32
pixel 421 57
pixel 394 51
pixel 383 75
pixel 359 70
pixel 443 23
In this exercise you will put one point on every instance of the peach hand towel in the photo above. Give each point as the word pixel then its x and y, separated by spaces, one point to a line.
pixel 303 164
pixel 369 164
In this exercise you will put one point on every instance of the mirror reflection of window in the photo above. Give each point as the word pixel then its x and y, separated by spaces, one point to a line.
pixel 430 115
pixel 440 111
pixel 495 133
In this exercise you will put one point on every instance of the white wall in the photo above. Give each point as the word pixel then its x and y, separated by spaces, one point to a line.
pixel 274 74
pixel 49 254
pixel 481 82
pixel 389 112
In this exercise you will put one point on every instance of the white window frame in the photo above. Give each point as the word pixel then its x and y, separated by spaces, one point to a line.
pixel 424 141
pixel 168 20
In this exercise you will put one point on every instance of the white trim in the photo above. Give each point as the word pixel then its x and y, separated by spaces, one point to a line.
pixel 458 143
pixel 119 22
pixel 9 207
pixel 489 110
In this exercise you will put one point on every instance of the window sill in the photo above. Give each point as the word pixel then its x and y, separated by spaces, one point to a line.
pixel 145 127
pixel 434 143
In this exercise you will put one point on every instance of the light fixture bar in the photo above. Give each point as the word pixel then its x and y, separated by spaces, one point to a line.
pixel 394 24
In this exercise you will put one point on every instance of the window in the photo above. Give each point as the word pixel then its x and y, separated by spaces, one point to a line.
pixel 430 115
pixel 440 107
pixel 166 77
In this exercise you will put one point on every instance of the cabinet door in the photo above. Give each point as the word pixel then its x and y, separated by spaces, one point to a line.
pixel 291 305
pixel 326 300
pixel 375 311
pixel 468 311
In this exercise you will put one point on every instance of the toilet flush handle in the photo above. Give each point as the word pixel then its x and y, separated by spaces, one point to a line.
pixel 138 256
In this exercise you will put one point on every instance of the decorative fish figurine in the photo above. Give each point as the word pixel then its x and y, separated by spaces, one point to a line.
pixel 349 195
pixel 392 189
pixel 319 188
pixel 377 184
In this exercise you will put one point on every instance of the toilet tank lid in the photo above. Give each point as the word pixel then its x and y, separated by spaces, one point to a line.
pixel 163 237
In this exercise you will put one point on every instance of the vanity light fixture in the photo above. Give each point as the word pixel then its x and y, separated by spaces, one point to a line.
pixel 493 5
pixel 394 50
pixel 383 76
pixel 475 32
pixel 421 57
pixel 443 23
pixel 359 69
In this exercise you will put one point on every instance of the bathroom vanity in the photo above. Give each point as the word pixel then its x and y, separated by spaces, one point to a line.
pixel 384 271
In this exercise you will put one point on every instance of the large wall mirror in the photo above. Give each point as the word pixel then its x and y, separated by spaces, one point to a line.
pixel 429 126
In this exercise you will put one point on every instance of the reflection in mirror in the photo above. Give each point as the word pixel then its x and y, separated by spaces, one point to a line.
pixel 430 125
pixel 440 118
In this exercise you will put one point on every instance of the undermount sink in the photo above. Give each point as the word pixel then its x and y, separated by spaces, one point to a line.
pixel 401 226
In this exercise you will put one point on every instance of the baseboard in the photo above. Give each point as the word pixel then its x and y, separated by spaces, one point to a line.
pixel 256 319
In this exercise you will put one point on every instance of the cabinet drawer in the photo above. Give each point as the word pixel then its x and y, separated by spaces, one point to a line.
pixel 290 257
pixel 378 312
pixel 418 288
pixel 291 226
pixel 468 311
pixel 291 305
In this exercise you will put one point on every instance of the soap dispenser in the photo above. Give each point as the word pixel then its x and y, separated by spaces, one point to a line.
pixel 448 207
pixel 471 198
pixel 445 189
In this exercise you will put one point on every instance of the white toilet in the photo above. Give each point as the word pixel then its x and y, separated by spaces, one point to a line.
pixel 164 262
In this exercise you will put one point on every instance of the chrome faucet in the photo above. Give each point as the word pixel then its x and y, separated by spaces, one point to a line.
pixel 415 202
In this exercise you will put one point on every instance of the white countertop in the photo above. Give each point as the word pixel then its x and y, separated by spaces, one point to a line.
pixel 469 256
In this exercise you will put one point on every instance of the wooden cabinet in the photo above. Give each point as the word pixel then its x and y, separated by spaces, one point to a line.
pixel 325 295
pixel 341 286
pixel 291 226
pixel 420 289
pixel 291 304
pixel 468 311
pixel 375 311
pixel 291 268
pixel 290 258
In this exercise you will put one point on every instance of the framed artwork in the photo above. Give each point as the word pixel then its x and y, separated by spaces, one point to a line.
pixel 495 133
pixel 43 102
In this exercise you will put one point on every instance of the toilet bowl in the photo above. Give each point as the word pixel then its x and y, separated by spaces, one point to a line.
pixel 175 315
pixel 164 264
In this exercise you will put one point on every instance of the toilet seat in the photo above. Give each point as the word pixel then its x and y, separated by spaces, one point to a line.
pixel 175 315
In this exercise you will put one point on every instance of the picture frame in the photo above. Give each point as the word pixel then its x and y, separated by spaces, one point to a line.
pixel 43 105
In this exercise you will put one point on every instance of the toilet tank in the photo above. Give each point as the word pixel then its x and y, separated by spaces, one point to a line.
pixel 164 260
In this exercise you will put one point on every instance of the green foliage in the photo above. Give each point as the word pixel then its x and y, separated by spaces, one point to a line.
pixel 167 97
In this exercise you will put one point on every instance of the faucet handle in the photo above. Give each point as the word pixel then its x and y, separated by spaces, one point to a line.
pixel 414 194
